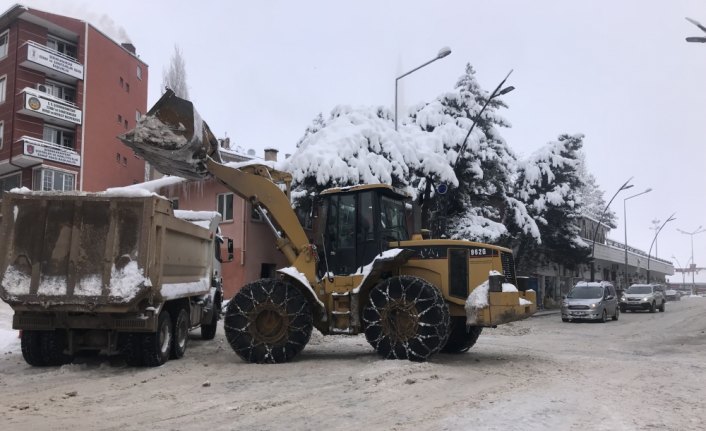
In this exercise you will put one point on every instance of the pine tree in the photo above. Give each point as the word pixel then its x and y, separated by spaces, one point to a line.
pixel 549 183
pixel 481 207
pixel 175 77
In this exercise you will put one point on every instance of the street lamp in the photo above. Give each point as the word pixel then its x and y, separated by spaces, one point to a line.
pixel 496 93
pixel 683 273
pixel 696 231
pixel 696 39
pixel 671 217
pixel 595 231
pixel 443 52
pixel 625 221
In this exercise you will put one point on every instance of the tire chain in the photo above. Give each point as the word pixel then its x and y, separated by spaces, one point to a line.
pixel 299 322
pixel 431 342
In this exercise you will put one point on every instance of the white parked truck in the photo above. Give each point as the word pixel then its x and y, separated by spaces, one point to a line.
pixel 113 273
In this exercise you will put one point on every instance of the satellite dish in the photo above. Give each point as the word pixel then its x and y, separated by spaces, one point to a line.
pixel 442 188
pixel 251 152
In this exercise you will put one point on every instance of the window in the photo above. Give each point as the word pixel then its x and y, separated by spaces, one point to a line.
pixel 127 87
pixel 138 115
pixel 139 73
pixel 120 118
pixel 4 40
pixel 56 135
pixel 126 124
pixel 224 205
pixel 3 82
pixel 62 91
pixel 175 203
pixel 121 82
pixel 53 180
pixel 9 183
pixel 63 46
pixel 2 133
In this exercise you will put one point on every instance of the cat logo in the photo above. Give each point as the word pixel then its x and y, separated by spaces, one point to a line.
pixel 34 103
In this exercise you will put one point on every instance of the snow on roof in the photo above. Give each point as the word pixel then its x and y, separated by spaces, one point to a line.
pixel 147 188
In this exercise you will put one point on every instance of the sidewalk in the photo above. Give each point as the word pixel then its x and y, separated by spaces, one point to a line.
pixel 547 312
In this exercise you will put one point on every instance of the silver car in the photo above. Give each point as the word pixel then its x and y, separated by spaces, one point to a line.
pixel 590 301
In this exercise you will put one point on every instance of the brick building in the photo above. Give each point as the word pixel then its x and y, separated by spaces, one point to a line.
pixel 66 91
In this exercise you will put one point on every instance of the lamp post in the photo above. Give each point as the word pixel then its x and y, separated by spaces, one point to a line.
pixel 496 93
pixel 443 52
pixel 701 27
pixel 654 241
pixel 595 231
pixel 625 223
pixel 696 231
pixel 683 273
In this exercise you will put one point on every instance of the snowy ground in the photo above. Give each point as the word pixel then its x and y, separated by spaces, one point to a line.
pixel 645 371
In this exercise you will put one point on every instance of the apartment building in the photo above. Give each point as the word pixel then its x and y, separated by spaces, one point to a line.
pixel 67 90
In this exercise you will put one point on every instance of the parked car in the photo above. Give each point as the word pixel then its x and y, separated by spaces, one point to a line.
pixel 643 297
pixel 590 301
pixel 672 295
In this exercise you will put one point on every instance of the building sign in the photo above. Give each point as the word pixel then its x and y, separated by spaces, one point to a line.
pixel 35 102
pixel 47 151
pixel 54 61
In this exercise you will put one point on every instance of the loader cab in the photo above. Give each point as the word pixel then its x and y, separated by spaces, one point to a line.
pixel 354 224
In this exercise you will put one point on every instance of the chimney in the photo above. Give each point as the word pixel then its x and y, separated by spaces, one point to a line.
pixel 130 47
pixel 271 154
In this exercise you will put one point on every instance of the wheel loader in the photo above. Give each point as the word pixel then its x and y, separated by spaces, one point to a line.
pixel 360 271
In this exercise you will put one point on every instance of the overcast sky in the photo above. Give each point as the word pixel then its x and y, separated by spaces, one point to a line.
pixel 619 72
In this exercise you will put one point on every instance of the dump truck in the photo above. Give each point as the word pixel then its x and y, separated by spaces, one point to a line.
pixel 116 273
pixel 361 271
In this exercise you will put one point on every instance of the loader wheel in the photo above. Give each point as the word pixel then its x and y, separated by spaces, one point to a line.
pixel 461 337
pixel 31 342
pixel 268 321
pixel 406 318
pixel 208 331
pixel 131 348
pixel 181 334
pixel 53 345
pixel 156 346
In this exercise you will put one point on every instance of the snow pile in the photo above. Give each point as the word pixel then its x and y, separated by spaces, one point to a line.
pixel 178 290
pixel 384 256
pixel 16 282
pixel 509 287
pixel 52 286
pixel 150 129
pixel 476 301
pixel 89 286
pixel 125 283
pixel 149 188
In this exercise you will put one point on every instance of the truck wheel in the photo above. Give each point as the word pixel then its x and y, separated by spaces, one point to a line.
pixel 268 321
pixel 461 337
pixel 156 346
pixel 53 345
pixel 31 342
pixel 208 331
pixel 406 318
pixel 181 334
pixel 616 316
pixel 131 348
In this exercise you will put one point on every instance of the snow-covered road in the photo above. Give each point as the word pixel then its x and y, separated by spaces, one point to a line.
pixel 643 372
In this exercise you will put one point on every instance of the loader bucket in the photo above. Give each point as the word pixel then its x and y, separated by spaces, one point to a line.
pixel 173 138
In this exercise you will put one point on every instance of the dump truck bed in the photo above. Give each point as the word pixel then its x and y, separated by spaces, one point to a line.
pixel 99 253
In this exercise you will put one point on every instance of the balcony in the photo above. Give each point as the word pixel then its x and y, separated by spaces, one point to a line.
pixel 43 105
pixel 50 62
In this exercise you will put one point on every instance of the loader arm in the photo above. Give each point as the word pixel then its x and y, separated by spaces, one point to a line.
pixel 174 139
pixel 257 188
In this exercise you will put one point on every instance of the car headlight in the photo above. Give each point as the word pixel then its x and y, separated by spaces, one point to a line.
pixel 623 299
pixel 645 299
pixel 594 305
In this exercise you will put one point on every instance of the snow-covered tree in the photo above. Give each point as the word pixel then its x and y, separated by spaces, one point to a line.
pixel 593 197
pixel 175 76
pixel 549 183
pixel 361 146
pixel 481 207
